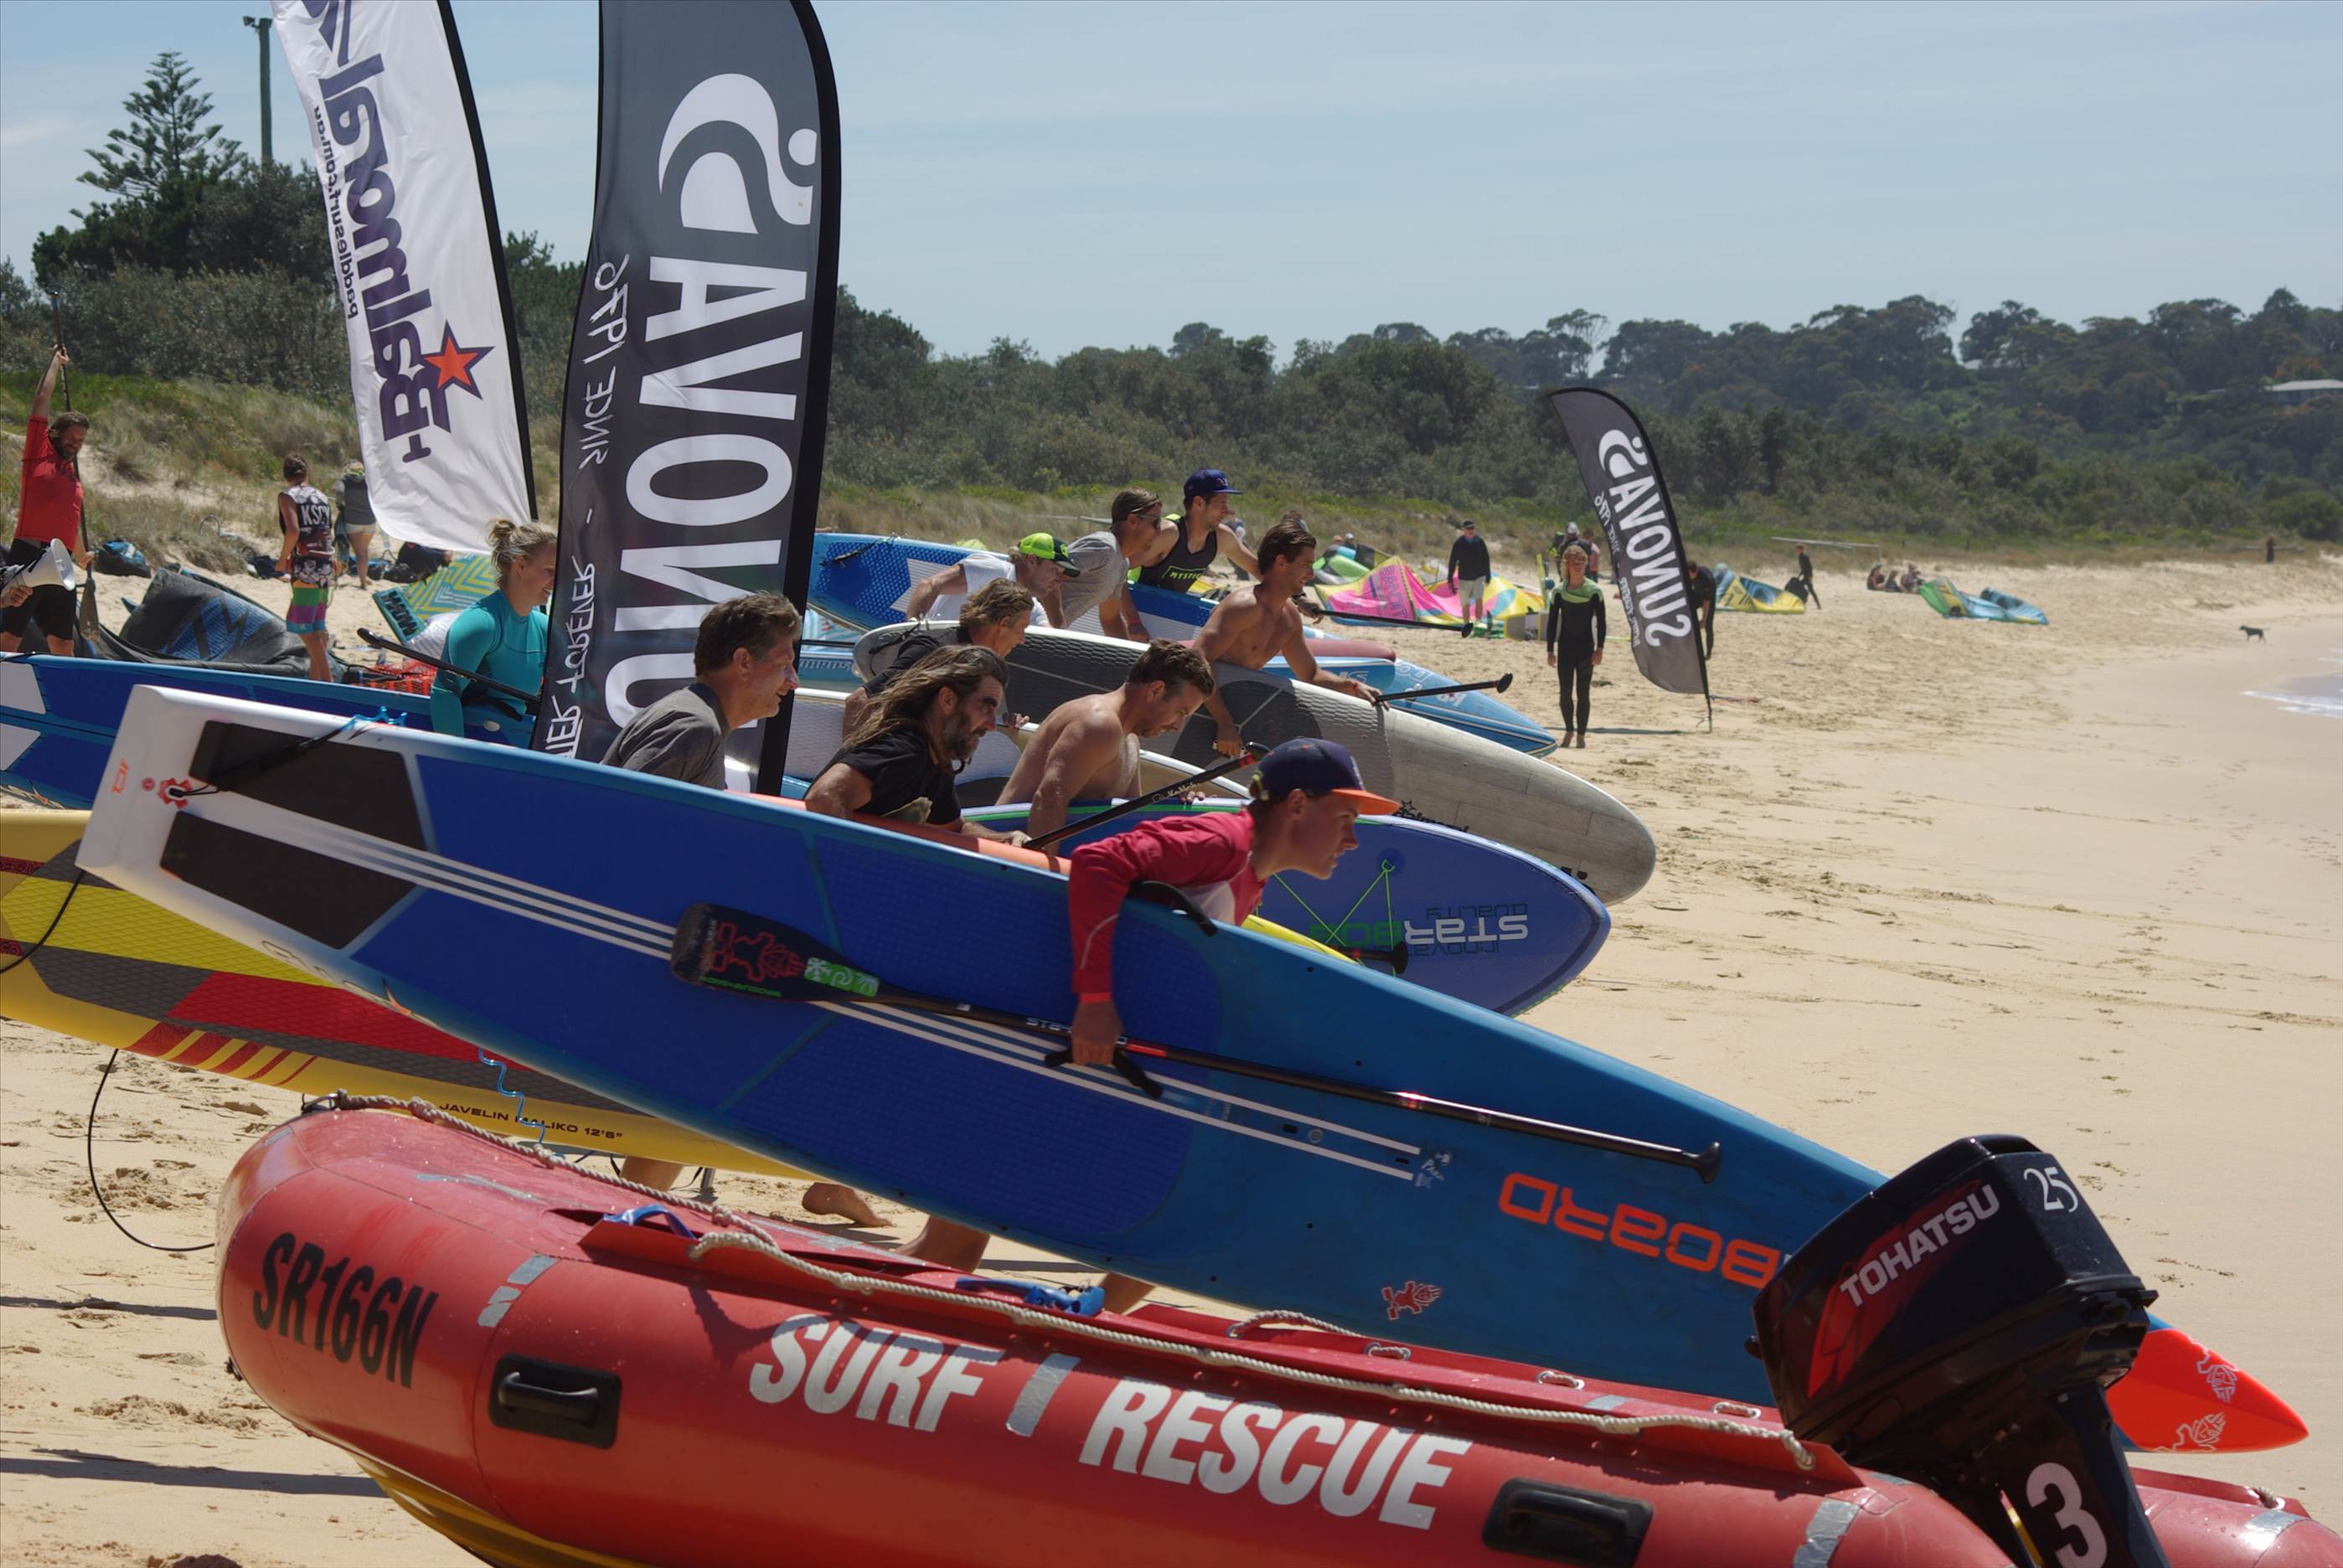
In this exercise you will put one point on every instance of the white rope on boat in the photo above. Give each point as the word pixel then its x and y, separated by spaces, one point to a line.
pixel 752 1237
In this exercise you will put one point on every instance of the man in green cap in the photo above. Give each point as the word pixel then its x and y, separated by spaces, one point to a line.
pixel 1038 565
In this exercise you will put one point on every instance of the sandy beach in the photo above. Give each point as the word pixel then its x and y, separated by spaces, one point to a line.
pixel 1922 878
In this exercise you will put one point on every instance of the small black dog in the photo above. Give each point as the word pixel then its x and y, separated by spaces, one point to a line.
pixel 2253 633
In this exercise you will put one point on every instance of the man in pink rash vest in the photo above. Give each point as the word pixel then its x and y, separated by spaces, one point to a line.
pixel 1305 797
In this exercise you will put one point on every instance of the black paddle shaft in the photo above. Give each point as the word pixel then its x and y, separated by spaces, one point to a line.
pixel 374 638
pixel 1503 683
pixel 1252 753
pixel 732 950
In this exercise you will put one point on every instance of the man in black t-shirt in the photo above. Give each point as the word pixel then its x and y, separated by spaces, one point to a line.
pixel 902 760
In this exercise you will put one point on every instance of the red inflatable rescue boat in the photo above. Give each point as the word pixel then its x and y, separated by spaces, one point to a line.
pixel 547 1374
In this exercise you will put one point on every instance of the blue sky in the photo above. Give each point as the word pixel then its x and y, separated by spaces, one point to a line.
pixel 1073 174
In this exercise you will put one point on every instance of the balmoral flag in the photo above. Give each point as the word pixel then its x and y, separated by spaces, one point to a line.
pixel 419 265
pixel 692 425
pixel 1639 521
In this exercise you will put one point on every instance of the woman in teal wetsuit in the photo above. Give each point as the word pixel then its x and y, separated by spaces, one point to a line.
pixel 503 636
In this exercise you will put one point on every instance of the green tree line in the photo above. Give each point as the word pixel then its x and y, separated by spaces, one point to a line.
pixel 200 262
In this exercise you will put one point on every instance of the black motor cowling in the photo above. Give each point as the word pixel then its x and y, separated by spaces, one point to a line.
pixel 1960 1326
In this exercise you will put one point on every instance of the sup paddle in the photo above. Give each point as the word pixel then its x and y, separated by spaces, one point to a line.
pixel 732 950
pixel 1253 753
pixel 374 638
pixel 1503 683
pixel 1468 627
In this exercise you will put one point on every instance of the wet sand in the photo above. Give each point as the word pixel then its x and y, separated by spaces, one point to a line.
pixel 1924 878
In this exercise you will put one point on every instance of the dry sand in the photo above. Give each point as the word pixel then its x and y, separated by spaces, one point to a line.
pixel 1926 878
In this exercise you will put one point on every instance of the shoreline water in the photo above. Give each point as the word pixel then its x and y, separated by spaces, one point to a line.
pixel 1935 880
pixel 2315 696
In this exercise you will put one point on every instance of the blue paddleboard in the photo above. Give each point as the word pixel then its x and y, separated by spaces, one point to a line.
pixel 529 903
pixel 1478 921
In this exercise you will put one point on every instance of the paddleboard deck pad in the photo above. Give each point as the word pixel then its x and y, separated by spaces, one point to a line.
pixel 393 861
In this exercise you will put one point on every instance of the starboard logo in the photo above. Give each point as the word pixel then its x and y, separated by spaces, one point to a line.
pixel 370 267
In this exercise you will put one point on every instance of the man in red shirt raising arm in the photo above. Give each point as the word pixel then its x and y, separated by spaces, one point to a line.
pixel 1305 798
pixel 49 508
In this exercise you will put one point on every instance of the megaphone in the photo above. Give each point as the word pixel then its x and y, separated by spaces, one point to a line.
pixel 53 568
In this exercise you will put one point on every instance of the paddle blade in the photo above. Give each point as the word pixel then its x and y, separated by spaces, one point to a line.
pixel 734 949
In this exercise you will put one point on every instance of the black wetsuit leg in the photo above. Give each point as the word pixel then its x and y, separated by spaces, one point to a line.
pixel 1578 679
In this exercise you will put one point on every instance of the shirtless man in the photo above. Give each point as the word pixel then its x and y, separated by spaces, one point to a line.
pixel 1254 624
pixel 1185 547
pixel 1088 750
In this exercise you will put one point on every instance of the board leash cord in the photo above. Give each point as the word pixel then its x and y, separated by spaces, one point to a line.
pixel 748 1235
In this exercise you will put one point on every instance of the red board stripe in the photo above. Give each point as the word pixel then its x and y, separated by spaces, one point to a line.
pixel 203 1050
pixel 238 1057
pixel 159 1038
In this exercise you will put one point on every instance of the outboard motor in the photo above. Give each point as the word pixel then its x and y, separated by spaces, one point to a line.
pixel 1960 1326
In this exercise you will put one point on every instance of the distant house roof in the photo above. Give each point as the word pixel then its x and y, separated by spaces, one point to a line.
pixel 2305 386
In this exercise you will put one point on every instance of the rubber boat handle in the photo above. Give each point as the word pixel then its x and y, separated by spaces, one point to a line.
pixel 571 1403
pixel 579 1405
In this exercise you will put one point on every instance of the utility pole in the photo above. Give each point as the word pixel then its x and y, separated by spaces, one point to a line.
pixel 260 25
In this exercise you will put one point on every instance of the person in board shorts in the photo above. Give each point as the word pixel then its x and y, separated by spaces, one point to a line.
pixel 1038 565
pixel 995 615
pixel 502 636
pixel 357 520
pixel 307 518
pixel 1185 547
pixel 1088 750
pixel 1255 624
pixel 1575 628
pixel 48 507
pixel 1468 570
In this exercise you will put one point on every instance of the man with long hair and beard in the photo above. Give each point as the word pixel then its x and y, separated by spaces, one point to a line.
pixel 900 758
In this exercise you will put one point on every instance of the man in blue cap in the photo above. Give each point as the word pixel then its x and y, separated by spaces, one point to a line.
pixel 1185 547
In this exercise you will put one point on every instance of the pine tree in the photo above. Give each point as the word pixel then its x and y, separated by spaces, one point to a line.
pixel 166 150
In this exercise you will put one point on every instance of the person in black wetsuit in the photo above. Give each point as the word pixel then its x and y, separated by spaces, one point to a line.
pixel 1806 576
pixel 1576 626
pixel 1700 583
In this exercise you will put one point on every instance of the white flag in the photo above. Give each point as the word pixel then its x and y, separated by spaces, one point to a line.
pixel 419 265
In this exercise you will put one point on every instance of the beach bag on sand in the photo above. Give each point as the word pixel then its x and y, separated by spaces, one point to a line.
pixel 121 558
